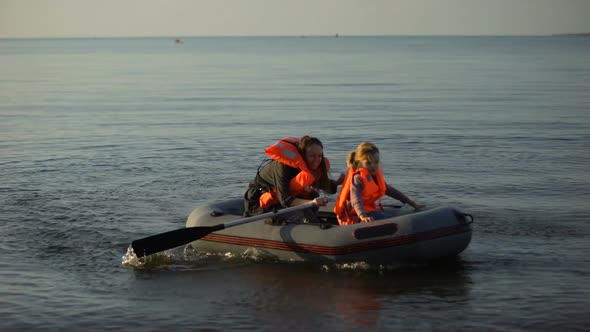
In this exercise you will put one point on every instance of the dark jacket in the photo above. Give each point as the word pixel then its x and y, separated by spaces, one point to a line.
pixel 277 175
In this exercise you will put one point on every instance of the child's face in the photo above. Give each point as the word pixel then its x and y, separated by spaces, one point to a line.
pixel 370 166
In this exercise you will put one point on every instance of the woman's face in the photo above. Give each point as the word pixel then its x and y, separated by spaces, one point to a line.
pixel 313 156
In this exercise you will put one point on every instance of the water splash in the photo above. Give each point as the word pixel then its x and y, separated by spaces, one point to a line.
pixel 189 257
pixel 146 262
pixel 347 266
pixel 364 266
pixel 258 255
pixel 130 259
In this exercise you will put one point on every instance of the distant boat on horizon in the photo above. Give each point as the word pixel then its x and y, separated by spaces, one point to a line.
pixel 178 41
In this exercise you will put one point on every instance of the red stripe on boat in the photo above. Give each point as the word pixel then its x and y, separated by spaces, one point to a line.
pixel 348 249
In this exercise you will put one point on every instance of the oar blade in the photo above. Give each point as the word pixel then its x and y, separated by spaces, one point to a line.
pixel 164 241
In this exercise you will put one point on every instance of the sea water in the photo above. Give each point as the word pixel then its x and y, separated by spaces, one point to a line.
pixel 104 141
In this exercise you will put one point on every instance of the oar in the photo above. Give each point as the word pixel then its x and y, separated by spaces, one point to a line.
pixel 172 239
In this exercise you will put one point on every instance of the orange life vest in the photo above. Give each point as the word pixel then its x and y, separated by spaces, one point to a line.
pixel 372 192
pixel 286 152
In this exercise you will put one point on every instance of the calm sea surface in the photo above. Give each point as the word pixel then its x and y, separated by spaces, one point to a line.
pixel 109 140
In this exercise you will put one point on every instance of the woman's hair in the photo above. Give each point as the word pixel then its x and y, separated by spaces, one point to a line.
pixel 307 141
pixel 366 151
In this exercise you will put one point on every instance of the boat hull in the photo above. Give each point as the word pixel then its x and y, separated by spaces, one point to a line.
pixel 408 236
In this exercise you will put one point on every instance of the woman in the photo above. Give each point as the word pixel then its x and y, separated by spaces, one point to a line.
pixel 297 170
pixel 363 187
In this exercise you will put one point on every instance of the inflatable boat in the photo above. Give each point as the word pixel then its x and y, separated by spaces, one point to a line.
pixel 408 235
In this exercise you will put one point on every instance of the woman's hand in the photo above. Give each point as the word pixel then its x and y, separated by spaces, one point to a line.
pixel 320 201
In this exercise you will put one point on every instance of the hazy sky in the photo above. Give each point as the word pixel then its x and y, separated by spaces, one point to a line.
pixel 103 18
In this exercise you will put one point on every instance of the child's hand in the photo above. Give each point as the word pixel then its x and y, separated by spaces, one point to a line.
pixel 366 218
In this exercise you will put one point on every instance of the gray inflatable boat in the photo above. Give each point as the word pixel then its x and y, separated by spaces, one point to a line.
pixel 408 236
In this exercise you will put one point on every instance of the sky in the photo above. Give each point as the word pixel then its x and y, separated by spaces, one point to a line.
pixel 134 18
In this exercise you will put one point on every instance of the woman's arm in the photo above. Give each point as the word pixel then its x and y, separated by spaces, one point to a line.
pixel 280 177
pixel 330 186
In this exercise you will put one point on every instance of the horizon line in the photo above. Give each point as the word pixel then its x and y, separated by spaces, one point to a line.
pixel 335 35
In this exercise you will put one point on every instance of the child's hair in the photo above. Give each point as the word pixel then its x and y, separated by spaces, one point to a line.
pixel 366 151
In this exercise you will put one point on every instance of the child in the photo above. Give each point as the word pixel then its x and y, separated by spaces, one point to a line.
pixel 363 187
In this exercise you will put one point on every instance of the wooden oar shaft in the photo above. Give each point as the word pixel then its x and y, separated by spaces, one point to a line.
pixel 267 215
